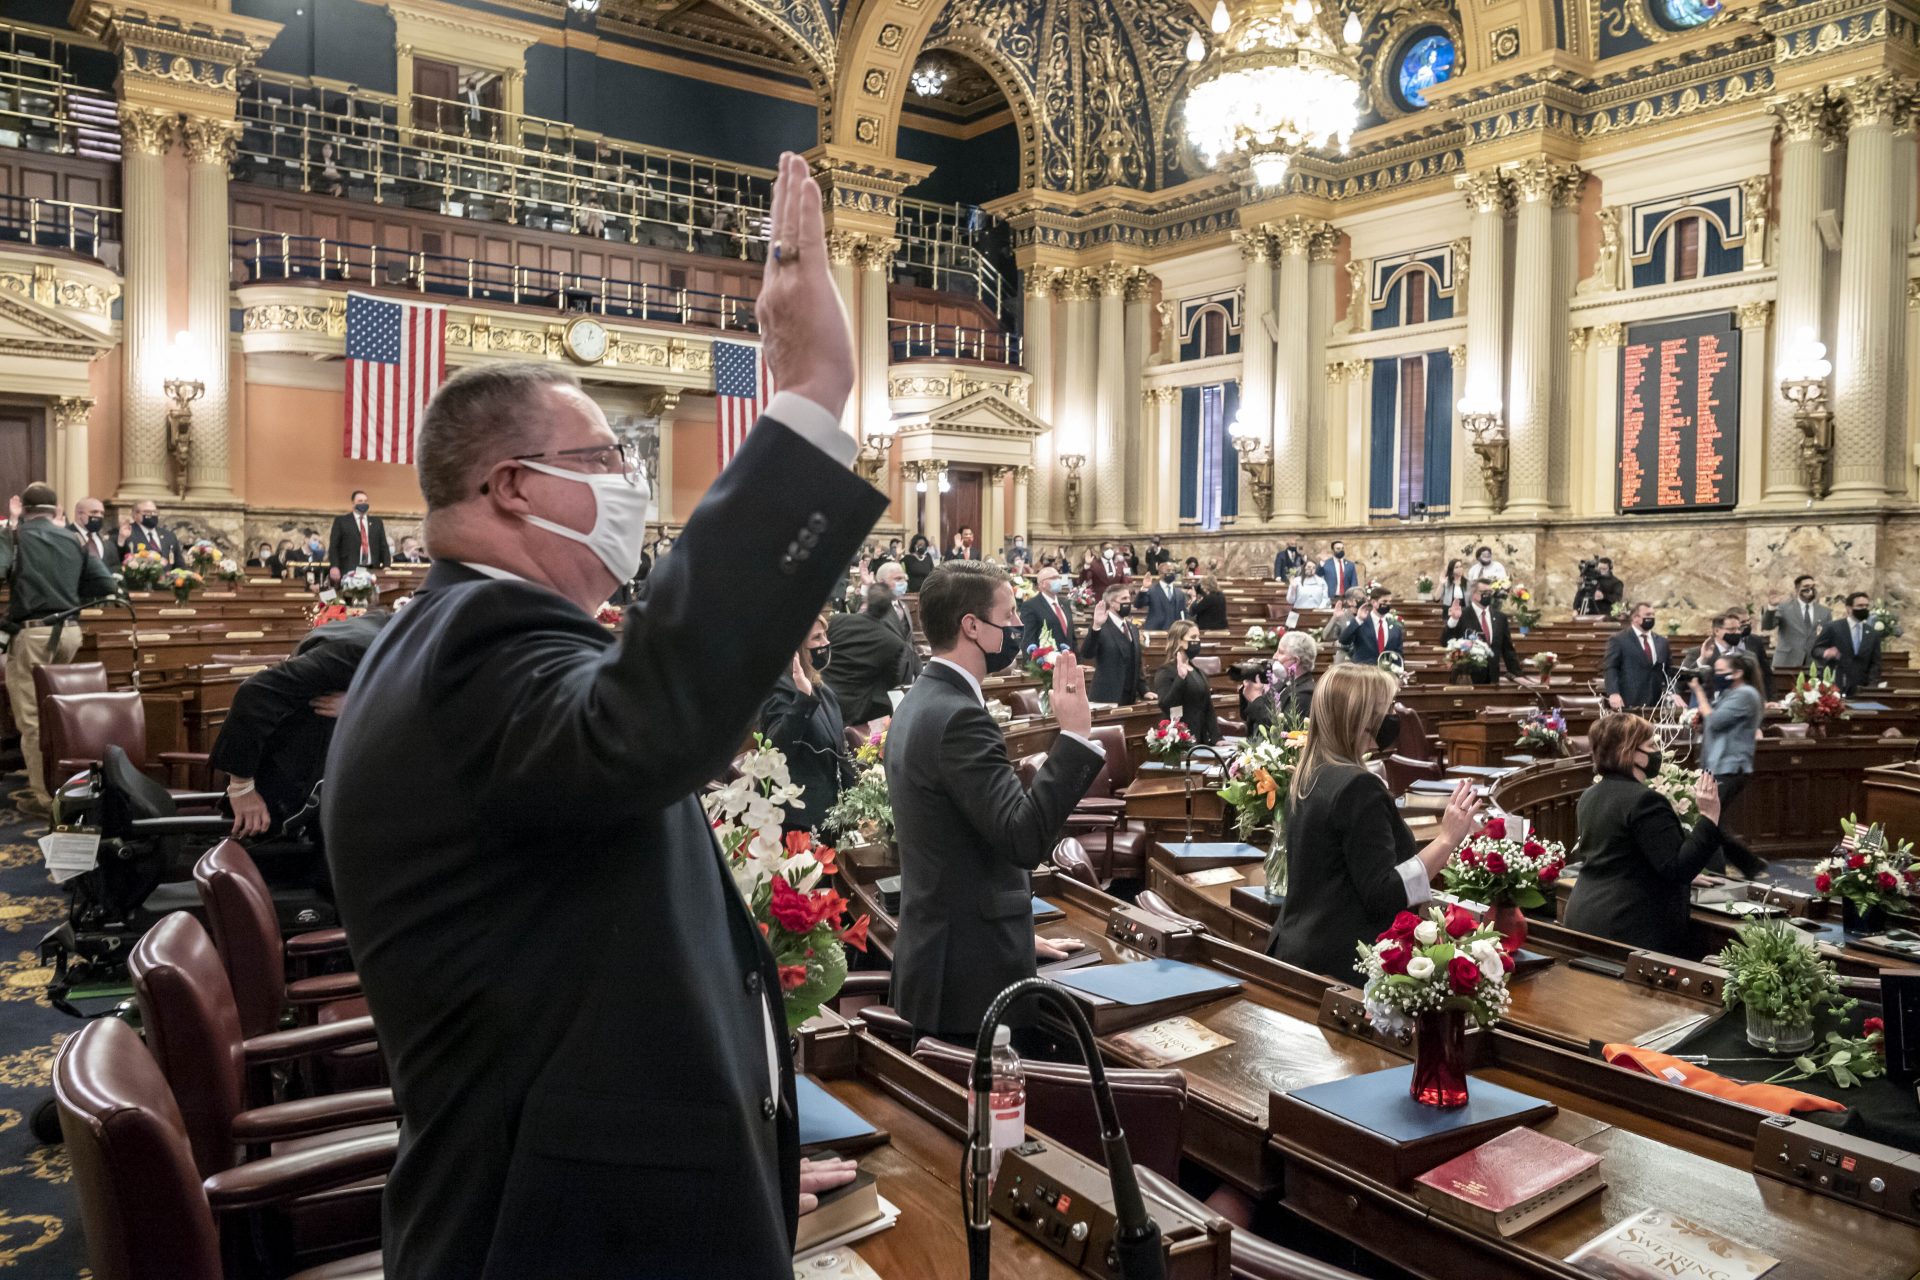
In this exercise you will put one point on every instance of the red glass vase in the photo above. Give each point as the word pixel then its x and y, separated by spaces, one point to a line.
pixel 1440 1058
pixel 1512 924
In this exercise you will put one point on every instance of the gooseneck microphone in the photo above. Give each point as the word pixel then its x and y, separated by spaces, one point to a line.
pixel 1186 783
pixel 1136 1238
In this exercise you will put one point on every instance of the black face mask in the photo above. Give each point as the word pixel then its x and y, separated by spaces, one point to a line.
pixel 96 523
pixel 819 656
pixel 1719 683
pixel 1009 648
pixel 1860 615
pixel 1654 761
pixel 1124 608
pixel 1168 578
pixel 1646 624
pixel 1388 734
pixel 151 522
pixel 361 508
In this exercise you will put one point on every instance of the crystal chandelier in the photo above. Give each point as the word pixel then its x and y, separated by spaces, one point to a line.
pixel 928 79
pixel 584 6
pixel 1276 85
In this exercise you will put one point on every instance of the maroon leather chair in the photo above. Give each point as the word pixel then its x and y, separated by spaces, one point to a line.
pixel 1148 900
pixel 62 678
pixel 1402 772
pixel 1252 1257
pixel 1070 856
pixel 76 729
pixel 1026 702
pixel 1152 1104
pixel 1126 847
pixel 1413 744
pixel 147 1213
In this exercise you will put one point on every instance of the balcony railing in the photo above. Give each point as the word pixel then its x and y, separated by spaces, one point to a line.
pixel 948 247
pixel 88 229
pixel 264 257
pixel 917 340
pixel 42 107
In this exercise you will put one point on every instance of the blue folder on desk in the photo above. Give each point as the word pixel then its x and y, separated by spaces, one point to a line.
pixel 825 1121
pixel 1044 910
pixel 1147 982
pixel 1868 706
pixel 1379 1103
pixel 1218 853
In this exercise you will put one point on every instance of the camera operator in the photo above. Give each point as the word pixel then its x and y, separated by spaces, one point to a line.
pixel 1599 590
pixel 1257 707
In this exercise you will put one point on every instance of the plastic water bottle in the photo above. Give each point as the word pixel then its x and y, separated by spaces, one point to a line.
pixel 1007 1103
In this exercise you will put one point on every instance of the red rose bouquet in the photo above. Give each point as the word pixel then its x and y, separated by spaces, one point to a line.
pixel 1506 874
pixel 1166 740
pixel 1867 870
pixel 1443 959
pixel 1815 699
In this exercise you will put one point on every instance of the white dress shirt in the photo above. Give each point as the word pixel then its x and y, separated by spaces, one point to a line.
pixel 1492 571
pixel 980 696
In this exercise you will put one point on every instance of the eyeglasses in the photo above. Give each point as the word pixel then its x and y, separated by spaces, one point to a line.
pixel 605 459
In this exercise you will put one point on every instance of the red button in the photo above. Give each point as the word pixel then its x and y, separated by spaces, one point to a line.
pixel 1060 1205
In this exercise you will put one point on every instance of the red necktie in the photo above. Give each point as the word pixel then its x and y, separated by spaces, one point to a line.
pixel 363 540
pixel 1486 628
pixel 1340 574
pixel 1647 644
pixel 1382 624
pixel 1061 616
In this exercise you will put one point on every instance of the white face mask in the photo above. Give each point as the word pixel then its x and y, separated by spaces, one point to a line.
pixel 619 518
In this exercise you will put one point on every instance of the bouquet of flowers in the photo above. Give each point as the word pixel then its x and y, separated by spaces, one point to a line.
pixel 1168 739
pixel 1258 777
pixel 864 813
pixel 1498 588
pixel 1675 784
pixel 356 587
pixel 1392 663
pixel 1883 621
pixel 1815 699
pixel 608 615
pixel 1423 584
pixel 1493 868
pixel 872 751
pixel 141 569
pixel 780 878
pixel 1261 638
pixel 1083 597
pixel 1039 664
pixel 1023 588
pixel 1520 596
pixel 1468 654
pixel 182 582
pixel 228 570
pixel 1619 611
pixel 1673 627
pixel 203 556
pixel 1443 959
pixel 1782 980
pixel 1545 733
pixel 1544 662
pixel 1866 869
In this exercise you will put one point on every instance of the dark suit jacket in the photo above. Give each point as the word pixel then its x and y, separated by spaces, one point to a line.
pixel 1501 641
pixel 271 735
pixel 969 834
pixel 1036 615
pixel 809 731
pixel 1288 564
pixel 1756 645
pixel 1194 698
pixel 1362 639
pixel 1117 675
pixel 869 658
pixel 511 778
pixel 1628 673
pixel 1345 840
pixel 160 539
pixel 1850 670
pixel 1210 612
pixel 343 544
pixel 902 624
pixel 1163 610
pixel 1636 864
pixel 1344 573
pixel 1101 579
pixel 100 544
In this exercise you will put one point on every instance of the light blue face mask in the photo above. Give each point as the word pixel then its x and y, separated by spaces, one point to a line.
pixel 900 588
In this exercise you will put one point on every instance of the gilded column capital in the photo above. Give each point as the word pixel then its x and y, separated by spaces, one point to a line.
pixel 1458 355
pixel 1806 116
pixel 1161 395
pixel 71 411
pixel 1532 179
pixel 1566 185
pixel 1349 370
pixel 1913 295
pixel 843 247
pixel 1256 243
pixel 1754 315
pixel 147 130
pixel 210 141
pixel 1076 284
pixel 1883 99
pixel 1462 262
pixel 1043 282
pixel 1611 334
pixel 1487 191
pixel 1323 238
pixel 1110 281
pixel 1577 339
pixel 1139 284
pixel 1756 193
pixel 875 253
pixel 1291 235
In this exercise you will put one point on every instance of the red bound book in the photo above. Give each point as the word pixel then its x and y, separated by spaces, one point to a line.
pixel 1505 1185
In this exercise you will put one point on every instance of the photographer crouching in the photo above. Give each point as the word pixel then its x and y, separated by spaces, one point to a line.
pixel 1599 590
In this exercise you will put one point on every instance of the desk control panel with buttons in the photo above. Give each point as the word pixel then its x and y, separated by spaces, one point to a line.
pixel 1064 1203
pixel 1342 1008
pixel 1877 1177
pixel 1692 978
pixel 1149 933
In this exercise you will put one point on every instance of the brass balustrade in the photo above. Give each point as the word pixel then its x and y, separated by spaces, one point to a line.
pixel 59 224
pixel 925 340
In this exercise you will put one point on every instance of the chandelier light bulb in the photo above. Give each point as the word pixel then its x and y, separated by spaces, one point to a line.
pixel 1221 18
pixel 920 486
pixel 928 80
pixel 584 6
pixel 944 486
pixel 1303 12
pixel 1270 169
pixel 1196 48
pixel 1352 31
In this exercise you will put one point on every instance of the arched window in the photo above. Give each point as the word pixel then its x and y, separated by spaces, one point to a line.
pixel 1686 248
pixel 1212 331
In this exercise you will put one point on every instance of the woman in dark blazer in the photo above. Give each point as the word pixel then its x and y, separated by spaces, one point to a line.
pixel 1112 645
pixel 1352 864
pixel 1210 610
pixel 801 718
pixel 919 562
pixel 1636 860
pixel 1180 686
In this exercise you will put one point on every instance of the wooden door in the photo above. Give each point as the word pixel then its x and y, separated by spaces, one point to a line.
pixel 960 507
pixel 23 448
pixel 441 81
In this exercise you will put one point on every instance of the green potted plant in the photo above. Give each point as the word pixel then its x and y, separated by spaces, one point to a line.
pixel 1782 981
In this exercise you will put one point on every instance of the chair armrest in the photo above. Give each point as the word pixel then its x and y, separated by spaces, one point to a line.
pixel 67 766
pixel 295 1043
pixel 278 1179
pixel 867 982
pixel 304 1117
pixel 1077 821
pixel 200 824
pixel 324 988
pixel 318 942
pixel 1101 804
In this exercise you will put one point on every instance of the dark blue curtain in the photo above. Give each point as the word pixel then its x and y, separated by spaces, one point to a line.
pixel 1438 494
pixel 1189 454
pixel 1230 458
pixel 1386 413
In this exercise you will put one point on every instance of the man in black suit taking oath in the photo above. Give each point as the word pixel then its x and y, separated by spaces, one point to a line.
pixel 1482 617
pixel 1637 664
pixel 968 832
pixel 582 1022
pixel 357 540
pixel 1849 646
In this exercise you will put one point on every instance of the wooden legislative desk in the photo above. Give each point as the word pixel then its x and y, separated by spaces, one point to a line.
pixel 1892 796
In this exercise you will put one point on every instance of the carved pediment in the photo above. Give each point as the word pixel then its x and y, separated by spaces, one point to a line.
pixel 30 328
pixel 986 414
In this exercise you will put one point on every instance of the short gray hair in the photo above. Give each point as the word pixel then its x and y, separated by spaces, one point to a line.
pixel 1301 647
pixel 477 417
pixel 894 565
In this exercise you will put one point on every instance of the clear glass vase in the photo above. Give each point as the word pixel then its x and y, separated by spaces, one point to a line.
pixel 1046 704
pixel 1777 1037
pixel 1276 864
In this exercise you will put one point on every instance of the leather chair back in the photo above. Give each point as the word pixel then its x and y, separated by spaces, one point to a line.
pixel 246 931
pixel 1070 856
pixel 1117 772
pixel 1207 665
pixel 1402 773
pixel 1148 900
pixel 1413 742
pixel 193 1029
pixel 1152 1104
pixel 133 1167
pixel 62 677
pixel 1277 611
pixel 79 726
pixel 1574 701
pixel 1026 702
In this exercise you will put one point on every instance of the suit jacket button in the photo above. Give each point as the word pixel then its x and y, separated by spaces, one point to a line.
pixel 786 565
pixel 817 522
pixel 753 983
pixel 769 1108
pixel 802 554
pixel 807 538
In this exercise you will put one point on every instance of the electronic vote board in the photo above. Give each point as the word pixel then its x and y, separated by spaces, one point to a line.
pixel 1679 426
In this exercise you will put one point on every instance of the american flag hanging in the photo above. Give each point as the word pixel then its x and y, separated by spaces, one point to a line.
pixel 742 386
pixel 396 359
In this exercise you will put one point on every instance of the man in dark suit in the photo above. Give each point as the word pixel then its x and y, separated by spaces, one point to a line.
pixel 963 545
pixel 1850 646
pixel 1482 617
pixel 1288 562
pixel 147 533
pixel 893 576
pixel 1732 632
pixel 555 1113
pixel 1156 555
pixel 410 553
pixel 1050 610
pixel 968 832
pixel 869 658
pixel 1166 602
pixel 1339 573
pixel 1374 630
pixel 1797 622
pixel 358 540
pixel 1637 666
pixel 1114 647
pixel 90 522
pixel 273 743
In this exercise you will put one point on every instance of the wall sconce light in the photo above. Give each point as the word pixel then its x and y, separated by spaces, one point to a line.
pixel 1257 462
pixel 1481 418
pixel 182 390
pixel 1073 462
pixel 870 464
pixel 945 484
pixel 1803 381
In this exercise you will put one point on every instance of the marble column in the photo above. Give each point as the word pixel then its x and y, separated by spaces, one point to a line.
pixel 70 414
pixel 1807 128
pixel 1488 197
pixel 1901 212
pixel 1568 182
pixel 874 259
pixel 1755 390
pixel 1164 429
pixel 1322 240
pixel 1862 359
pixel 145 135
pixel 1041 283
pixel 1139 297
pixel 1073 407
pixel 843 247
pixel 993 510
pixel 1022 512
pixel 1256 346
pixel 1290 397
pixel 210 146
pixel 1358 377
pixel 1110 395
pixel 1607 341
pixel 1530 371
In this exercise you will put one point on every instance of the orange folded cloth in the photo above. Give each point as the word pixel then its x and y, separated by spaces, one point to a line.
pixel 1777 1098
